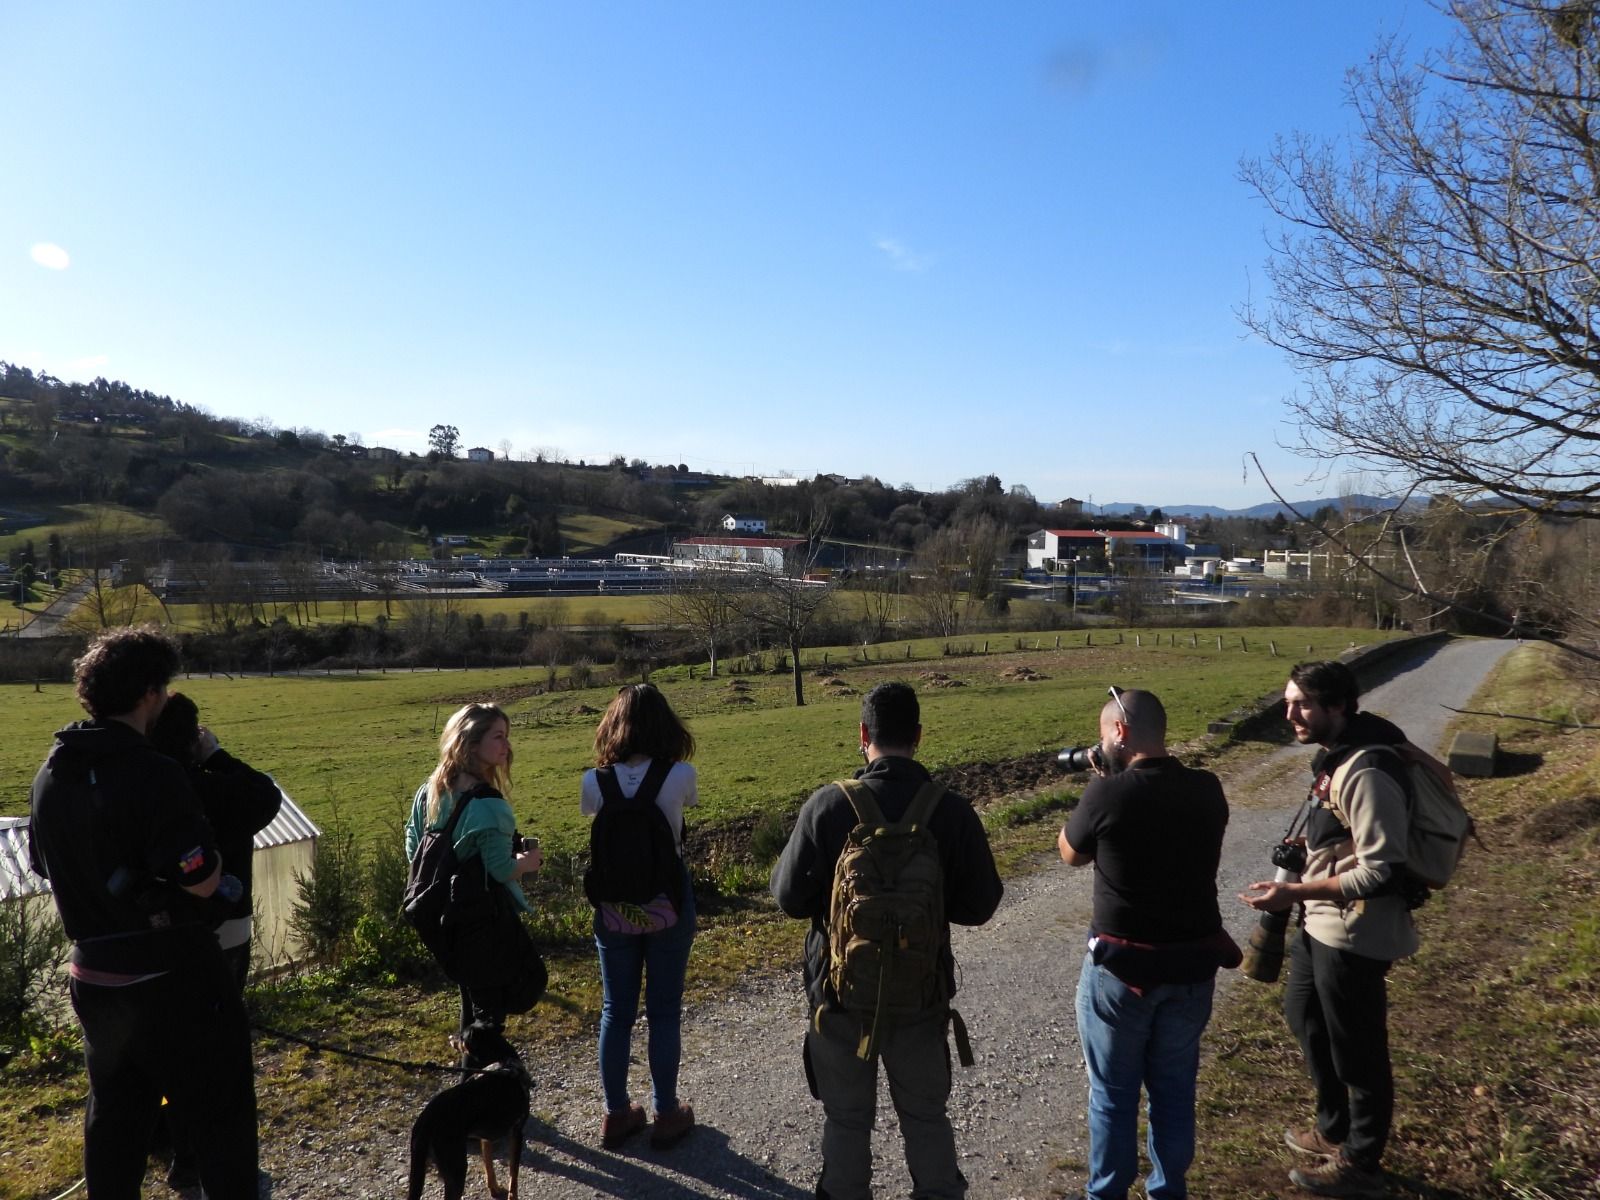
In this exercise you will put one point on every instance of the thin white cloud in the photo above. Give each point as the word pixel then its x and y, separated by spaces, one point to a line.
pixel 902 257
pixel 89 362
pixel 52 256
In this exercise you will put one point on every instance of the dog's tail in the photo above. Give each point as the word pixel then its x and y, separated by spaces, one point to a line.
pixel 419 1159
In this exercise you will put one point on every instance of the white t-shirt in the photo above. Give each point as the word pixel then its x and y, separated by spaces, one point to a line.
pixel 680 790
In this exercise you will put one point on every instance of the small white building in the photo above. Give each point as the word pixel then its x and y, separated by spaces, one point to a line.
pixel 743 524
pixel 480 454
pixel 284 851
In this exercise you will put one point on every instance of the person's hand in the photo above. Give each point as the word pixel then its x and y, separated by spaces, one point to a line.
pixel 530 860
pixel 205 745
pixel 1268 895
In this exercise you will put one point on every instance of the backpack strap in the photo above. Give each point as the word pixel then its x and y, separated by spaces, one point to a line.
pixel 862 800
pixel 923 804
pixel 649 787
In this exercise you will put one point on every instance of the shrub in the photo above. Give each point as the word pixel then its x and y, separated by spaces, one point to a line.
pixel 32 949
pixel 330 895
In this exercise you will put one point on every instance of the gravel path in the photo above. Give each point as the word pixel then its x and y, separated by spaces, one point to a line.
pixel 1018 1114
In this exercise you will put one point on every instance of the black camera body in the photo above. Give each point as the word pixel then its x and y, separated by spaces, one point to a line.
pixel 1082 758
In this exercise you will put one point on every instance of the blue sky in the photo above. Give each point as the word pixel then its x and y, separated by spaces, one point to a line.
pixel 922 241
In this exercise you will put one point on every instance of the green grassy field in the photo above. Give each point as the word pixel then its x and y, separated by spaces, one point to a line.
pixel 361 744
pixel 77 522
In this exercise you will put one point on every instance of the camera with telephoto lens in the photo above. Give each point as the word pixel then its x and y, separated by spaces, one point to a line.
pixel 1264 953
pixel 1081 758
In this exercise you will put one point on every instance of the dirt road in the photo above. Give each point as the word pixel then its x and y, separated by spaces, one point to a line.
pixel 1019 1114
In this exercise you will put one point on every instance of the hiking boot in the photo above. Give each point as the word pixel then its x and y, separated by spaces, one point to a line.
pixel 183 1175
pixel 671 1127
pixel 617 1127
pixel 1310 1141
pixel 1339 1176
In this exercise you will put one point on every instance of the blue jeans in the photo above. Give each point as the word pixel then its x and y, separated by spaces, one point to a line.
pixel 654 963
pixel 1129 1040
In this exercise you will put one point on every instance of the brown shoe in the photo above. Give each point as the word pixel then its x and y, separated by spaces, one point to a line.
pixel 671 1127
pixel 617 1127
pixel 1310 1141
pixel 1340 1177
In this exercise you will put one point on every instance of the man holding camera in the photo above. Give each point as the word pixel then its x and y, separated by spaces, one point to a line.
pixel 1153 829
pixel 117 830
pixel 1356 924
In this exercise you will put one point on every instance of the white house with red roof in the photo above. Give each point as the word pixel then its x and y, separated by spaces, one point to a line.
pixel 1049 547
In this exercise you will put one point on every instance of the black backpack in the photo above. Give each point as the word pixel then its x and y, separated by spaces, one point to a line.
pixel 633 853
pixel 433 883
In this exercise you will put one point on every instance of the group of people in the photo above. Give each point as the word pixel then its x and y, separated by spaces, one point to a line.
pixel 1153 829
pixel 140 821
pixel 642 753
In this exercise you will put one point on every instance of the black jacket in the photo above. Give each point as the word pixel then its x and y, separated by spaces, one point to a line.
pixel 240 802
pixel 802 879
pixel 118 832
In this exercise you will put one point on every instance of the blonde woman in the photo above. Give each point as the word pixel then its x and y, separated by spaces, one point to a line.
pixel 494 961
pixel 641 752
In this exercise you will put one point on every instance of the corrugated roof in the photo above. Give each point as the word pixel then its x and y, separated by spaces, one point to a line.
pixel 17 878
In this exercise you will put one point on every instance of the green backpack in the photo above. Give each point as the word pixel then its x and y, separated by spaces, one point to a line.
pixel 886 926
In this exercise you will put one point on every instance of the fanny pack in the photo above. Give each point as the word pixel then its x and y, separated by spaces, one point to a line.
pixel 1143 965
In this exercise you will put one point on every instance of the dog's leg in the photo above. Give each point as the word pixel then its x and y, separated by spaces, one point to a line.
pixel 495 1190
pixel 515 1166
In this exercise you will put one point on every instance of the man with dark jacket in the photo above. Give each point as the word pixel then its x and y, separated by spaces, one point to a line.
pixel 913 1050
pixel 117 830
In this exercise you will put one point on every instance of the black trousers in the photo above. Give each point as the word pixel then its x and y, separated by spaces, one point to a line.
pixel 1337 1004
pixel 183 1035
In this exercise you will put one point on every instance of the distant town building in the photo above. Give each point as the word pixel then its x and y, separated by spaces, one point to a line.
pixel 744 524
pixel 480 454
pixel 1051 547
pixel 780 481
pixel 766 553
pixel 383 453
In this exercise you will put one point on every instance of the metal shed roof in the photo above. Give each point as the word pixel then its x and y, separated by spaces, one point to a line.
pixel 17 878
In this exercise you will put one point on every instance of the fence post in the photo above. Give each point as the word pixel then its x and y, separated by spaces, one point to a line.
pixel 1273 646
pixel 1219 642
pixel 1242 645
pixel 1194 640
pixel 1058 641
pixel 1136 642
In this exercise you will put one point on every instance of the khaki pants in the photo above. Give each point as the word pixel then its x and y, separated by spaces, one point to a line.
pixel 916 1059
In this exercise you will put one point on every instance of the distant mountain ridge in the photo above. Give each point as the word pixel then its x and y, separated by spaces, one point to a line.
pixel 1258 511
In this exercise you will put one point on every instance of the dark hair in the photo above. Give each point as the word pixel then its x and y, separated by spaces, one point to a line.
pixel 1330 684
pixel 892 715
pixel 175 731
pixel 640 721
pixel 121 666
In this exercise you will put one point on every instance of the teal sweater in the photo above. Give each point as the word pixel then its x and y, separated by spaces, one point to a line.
pixel 484 833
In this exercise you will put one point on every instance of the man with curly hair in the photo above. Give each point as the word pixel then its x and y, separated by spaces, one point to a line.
pixel 119 833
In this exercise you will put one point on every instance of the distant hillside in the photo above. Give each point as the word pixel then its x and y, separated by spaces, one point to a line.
pixel 1259 512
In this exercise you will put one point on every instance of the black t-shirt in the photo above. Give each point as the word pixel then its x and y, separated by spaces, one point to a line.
pixel 1155 834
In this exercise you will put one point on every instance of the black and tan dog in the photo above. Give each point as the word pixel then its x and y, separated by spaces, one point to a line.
pixel 488 1105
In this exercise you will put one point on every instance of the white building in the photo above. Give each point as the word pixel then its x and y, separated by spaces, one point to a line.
pixel 742 524
pixel 480 454
pixel 284 851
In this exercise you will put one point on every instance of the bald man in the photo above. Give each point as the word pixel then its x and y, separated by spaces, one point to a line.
pixel 1153 829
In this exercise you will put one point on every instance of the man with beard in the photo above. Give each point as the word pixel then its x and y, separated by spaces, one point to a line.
pixel 1356 924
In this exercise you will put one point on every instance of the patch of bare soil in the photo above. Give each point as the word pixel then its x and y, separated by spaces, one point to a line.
pixel 1556 822
pixel 985 783
pixel 1022 675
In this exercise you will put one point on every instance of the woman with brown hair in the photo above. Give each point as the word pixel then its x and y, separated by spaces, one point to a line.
pixel 494 963
pixel 643 777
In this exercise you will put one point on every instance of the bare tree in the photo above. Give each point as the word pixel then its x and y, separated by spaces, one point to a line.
pixel 938 576
pixel 702 602
pixel 1438 281
pixel 785 603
